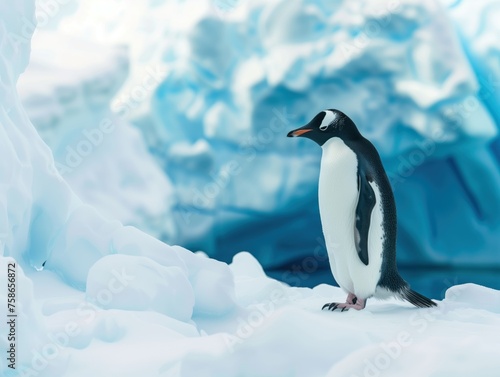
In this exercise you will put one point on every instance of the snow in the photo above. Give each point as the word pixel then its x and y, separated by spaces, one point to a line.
pixel 274 330
pixel 45 226
pixel 98 298
pixel 139 283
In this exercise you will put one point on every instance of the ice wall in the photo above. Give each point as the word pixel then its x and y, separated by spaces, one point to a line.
pixel 257 69
pixel 238 75
pixel 43 222
pixel 67 92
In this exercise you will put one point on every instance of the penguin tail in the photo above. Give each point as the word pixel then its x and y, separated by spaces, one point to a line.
pixel 416 298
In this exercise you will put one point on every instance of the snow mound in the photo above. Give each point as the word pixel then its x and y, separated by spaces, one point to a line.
pixel 138 283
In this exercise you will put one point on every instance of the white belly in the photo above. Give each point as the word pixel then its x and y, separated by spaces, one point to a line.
pixel 338 197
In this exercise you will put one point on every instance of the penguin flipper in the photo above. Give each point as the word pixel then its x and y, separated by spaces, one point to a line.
pixel 366 202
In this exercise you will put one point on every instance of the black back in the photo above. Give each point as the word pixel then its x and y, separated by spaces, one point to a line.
pixel 370 169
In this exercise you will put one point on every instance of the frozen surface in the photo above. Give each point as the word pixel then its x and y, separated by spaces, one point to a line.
pixel 420 78
pixel 274 330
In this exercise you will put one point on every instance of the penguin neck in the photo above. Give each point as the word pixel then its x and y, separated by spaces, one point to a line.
pixel 331 145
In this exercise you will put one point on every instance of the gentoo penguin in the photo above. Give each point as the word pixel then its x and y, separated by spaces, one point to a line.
pixel 358 213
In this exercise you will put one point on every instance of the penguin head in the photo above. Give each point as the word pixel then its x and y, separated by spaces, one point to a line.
pixel 325 125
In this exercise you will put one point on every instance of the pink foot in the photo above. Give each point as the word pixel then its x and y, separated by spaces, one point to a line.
pixel 351 302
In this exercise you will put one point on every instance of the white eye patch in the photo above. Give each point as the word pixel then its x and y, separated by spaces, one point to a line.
pixel 327 120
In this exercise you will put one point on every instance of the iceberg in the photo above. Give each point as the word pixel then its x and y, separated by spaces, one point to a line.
pixel 97 151
pixel 254 71
pixel 418 80
pixel 45 226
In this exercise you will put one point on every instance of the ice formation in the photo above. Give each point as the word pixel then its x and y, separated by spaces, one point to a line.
pixel 399 69
pixel 67 92
pixel 45 224
pixel 423 88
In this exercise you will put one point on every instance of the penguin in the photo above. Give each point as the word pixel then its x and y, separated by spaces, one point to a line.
pixel 358 214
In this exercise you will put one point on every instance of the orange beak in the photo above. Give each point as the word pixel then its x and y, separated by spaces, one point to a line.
pixel 300 131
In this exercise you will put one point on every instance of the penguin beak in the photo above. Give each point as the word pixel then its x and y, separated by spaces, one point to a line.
pixel 299 131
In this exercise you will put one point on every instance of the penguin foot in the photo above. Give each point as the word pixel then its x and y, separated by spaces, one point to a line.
pixel 352 302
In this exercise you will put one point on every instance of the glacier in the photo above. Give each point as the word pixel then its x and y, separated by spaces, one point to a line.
pixel 428 119
pixel 46 226
pixel 433 119
pixel 68 99
pixel 219 117
pixel 96 297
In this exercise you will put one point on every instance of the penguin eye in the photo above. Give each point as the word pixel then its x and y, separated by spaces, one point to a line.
pixel 324 127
